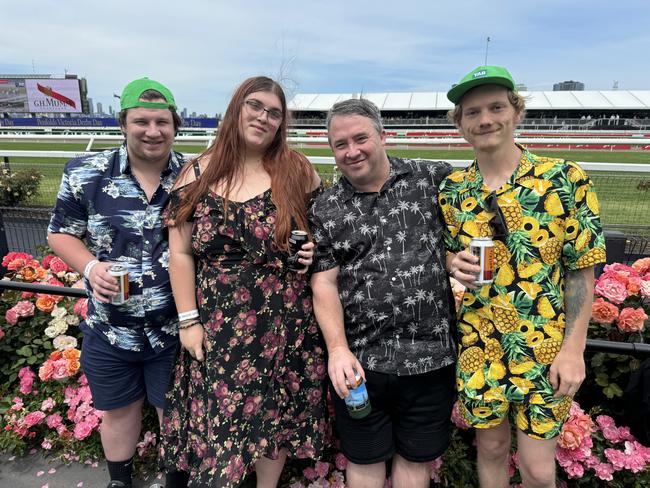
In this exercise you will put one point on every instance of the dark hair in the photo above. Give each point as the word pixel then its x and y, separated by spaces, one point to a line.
pixel 152 96
pixel 356 106
pixel 291 173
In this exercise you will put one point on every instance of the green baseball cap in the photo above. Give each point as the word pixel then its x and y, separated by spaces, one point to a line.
pixel 133 91
pixel 483 75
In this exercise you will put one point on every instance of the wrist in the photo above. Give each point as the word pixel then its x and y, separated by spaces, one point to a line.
pixel 89 267
pixel 189 315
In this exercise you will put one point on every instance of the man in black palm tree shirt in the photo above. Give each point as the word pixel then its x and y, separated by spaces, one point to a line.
pixel 383 301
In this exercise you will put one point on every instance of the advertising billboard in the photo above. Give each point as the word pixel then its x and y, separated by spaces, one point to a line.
pixel 13 96
pixel 40 95
pixel 53 96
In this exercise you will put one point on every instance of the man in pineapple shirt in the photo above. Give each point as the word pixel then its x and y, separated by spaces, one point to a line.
pixel 522 337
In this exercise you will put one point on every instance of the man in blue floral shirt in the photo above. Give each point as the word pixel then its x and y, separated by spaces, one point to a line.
pixel 108 211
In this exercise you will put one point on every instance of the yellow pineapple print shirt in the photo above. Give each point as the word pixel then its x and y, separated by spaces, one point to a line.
pixel 511 330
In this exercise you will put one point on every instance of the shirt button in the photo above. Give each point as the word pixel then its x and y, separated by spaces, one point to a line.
pixel 393 278
pixel 146 242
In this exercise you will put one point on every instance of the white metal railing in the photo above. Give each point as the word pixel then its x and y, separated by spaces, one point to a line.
pixel 416 141
pixel 329 160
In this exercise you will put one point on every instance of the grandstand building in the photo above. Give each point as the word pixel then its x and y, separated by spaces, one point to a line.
pixel 620 110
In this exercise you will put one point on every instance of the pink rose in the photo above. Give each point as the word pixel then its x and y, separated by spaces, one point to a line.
pixel 82 430
pixel 11 316
pixel 33 418
pixel 24 308
pixel 81 307
pixel 611 288
pixel 54 421
pixel 642 266
pixel 322 468
pixel 645 288
pixel 571 436
pixel 631 319
pixel 603 312
pixel 46 371
pixel 46 260
pixel 26 385
pixel 340 461
pixel 46 444
pixel 48 404
pixel 58 266
pixel 604 471
pixel 604 421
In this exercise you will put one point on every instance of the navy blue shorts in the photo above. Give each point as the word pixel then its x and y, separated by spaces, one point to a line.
pixel 410 416
pixel 118 378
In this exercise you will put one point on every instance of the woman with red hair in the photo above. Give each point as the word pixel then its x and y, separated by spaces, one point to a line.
pixel 248 385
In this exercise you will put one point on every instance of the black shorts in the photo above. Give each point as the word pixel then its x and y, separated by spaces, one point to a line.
pixel 410 416
pixel 118 377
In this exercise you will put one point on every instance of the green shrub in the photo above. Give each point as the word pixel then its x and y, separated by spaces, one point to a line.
pixel 18 187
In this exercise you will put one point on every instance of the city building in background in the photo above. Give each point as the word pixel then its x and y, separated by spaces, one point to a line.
pixel 569 86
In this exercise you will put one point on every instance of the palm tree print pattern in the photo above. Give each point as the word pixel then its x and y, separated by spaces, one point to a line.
pixel 392 281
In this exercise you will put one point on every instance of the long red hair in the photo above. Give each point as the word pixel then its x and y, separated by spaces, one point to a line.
pixel 291 173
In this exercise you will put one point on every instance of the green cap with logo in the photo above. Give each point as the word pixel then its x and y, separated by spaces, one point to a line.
pixel 133 91
pixel 483 75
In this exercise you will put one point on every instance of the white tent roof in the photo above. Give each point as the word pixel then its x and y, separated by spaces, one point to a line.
pixel 536 100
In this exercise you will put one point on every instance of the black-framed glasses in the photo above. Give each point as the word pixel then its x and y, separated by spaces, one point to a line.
pixel 257 108
pixel 498 222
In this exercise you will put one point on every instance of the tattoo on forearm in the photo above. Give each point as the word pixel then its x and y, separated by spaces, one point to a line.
pixel 575 295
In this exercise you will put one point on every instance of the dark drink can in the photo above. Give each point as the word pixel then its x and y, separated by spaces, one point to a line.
pixel 483 249
pixel 296 240
pixel 120 273
pixel 357 400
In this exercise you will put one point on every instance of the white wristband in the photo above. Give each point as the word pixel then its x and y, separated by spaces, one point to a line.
pixel 191 314
pixel 91 264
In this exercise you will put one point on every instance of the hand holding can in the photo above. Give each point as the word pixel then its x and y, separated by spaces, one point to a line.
pixel 121 274
pixel 296 240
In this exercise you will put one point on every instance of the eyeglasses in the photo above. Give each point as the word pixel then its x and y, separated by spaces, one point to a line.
pixel 498 222
pixel 257 108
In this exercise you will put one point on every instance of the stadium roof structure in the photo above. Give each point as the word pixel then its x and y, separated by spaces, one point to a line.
pixel 536 100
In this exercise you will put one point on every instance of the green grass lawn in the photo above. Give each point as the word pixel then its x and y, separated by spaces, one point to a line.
pixel 621 201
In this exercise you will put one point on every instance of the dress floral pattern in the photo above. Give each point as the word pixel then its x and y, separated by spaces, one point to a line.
pixel 261 385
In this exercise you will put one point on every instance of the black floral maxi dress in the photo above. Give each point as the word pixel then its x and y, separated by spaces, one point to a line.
pixel 261 385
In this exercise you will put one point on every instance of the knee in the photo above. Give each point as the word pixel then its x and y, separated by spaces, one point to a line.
pixel 537 474
pixel 493 447
pixel 130 413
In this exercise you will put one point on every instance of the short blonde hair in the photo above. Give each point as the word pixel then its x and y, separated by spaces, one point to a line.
pixel 516 100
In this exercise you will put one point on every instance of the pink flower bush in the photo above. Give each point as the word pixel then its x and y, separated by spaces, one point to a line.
pixel 599 449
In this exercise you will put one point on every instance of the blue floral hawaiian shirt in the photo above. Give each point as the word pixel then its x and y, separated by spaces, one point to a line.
pixel 101 201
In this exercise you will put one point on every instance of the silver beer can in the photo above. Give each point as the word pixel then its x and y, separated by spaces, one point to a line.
pixel 120 273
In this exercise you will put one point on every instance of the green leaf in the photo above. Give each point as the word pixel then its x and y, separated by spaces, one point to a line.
pixel 613 390
pixel 602 379
pixel 24 351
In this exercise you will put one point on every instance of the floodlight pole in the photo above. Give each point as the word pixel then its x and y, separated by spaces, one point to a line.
pixel 487 44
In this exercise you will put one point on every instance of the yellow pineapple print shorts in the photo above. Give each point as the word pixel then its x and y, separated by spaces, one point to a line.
pixel 526 396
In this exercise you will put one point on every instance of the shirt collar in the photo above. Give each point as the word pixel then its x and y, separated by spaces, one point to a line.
pixel 397 168
pixel 526 164
pixel 173 166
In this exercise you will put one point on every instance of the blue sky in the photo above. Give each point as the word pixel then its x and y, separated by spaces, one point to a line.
pixel 202 49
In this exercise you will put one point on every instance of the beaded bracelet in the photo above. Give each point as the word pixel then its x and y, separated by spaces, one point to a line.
pixel 186 324
pixel 190 314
